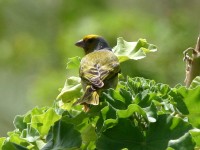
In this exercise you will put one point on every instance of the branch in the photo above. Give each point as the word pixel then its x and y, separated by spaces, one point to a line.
pixel 192 63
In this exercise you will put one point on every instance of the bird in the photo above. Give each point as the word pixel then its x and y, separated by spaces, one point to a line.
pixel 98 70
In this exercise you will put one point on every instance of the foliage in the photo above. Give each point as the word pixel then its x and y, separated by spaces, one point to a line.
pixel 138 114
pixel 37 36
pixel 132 50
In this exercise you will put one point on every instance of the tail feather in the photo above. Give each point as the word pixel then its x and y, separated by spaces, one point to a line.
pixel 90 96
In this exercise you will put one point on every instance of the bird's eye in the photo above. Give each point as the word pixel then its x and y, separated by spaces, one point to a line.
pixel 90 40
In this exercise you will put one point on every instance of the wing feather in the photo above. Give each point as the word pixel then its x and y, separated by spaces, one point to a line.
pixel 99 69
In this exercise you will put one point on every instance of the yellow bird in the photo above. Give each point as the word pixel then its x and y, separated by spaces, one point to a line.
pixel 98 70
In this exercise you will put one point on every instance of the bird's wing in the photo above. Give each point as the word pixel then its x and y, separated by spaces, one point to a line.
pixel 96 74
pixel 92 74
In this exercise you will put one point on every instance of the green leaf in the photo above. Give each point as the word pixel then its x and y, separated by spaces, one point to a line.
pixel 151 112
pixel 35 111
pixel 40 143
pixel 89 135
pixel 13 146
pixel 89 146
pixel 166 131
pixel 108 112
pixel 117 98
pixel 107 119
pixel 195 82
pixel 73 63
pixel 192 101
pixel 62 136
pixel 123 135
pixel 137 85
pixel 2 140
pixel 80 120
pixel 44 121
pixel 196 136
pixel 132 108
pixel 132 50
pixel 179 102
pixel 185 142
pixel 83 123
pixel 71 89
pixel 30 134
pixel 15 142
pixel 168 128
pixel 19 122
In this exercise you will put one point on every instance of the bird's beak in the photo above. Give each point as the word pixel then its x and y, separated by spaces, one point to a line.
pixel 80 43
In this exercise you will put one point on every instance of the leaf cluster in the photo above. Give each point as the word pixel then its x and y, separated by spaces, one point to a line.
pixel 139 114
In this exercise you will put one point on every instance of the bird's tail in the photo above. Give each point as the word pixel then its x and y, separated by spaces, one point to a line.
pixel 90 96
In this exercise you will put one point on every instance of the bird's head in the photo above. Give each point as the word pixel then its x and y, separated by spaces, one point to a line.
pixel 92 43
